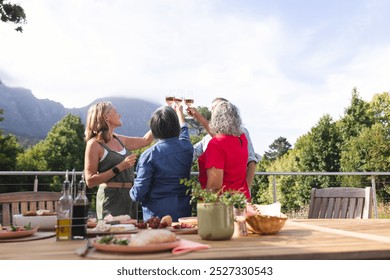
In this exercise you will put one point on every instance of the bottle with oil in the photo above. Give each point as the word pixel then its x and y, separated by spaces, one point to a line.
pixel 64 212
pixel 80 212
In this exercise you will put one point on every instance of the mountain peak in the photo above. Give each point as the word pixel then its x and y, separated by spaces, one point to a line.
pixel 31 118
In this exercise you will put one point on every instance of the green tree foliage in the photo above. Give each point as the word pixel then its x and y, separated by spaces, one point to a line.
pixel 370 151
pixel 65 144
pixel 379 108
pixel 356 117
pixel 292 191
pixel 62 149
pixel 320 149
pixel 9 150
pixel 12 13
pixel 278 148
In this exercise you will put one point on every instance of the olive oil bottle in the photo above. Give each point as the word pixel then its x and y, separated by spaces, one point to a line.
pixel 64 212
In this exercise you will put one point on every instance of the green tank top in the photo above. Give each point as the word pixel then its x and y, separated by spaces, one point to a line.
pixel 113 158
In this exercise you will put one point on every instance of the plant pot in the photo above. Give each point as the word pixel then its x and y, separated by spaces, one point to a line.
pixel 215 221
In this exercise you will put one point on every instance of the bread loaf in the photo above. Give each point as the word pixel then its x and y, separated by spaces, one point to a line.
pixel 154 236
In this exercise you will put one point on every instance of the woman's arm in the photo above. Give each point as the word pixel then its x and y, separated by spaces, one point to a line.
pixel 214 179
pixel 135 143
pixel 143 181
pixel 93 153
pixel 199 117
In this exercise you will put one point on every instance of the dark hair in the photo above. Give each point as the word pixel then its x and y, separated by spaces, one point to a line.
pixel 165 123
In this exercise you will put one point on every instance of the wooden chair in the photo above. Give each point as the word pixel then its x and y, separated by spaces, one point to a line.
pixel 341 203
pixel 19 202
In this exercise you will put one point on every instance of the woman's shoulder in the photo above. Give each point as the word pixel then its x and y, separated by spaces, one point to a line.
pixel 93 143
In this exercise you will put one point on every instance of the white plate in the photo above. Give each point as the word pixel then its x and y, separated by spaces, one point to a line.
pixel 44 222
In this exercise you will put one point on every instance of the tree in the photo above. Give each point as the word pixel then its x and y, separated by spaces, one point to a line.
pixel 379 108
pixel 62 149
pixel 12 13
pixel 356 117
pixel 278 148
pixel 9 150
pixel 370 151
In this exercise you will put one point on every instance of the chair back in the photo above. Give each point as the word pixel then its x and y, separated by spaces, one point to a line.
pixel 341 203
pixel 20 202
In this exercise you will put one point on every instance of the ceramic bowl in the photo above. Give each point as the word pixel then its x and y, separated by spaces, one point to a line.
pixel 44 222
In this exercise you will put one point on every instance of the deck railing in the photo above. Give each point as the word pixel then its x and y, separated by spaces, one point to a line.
pixel 73 176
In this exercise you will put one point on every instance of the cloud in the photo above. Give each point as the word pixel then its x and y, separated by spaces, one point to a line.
pixel 283 66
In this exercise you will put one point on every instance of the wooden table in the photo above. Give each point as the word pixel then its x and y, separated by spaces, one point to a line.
pixel 299 239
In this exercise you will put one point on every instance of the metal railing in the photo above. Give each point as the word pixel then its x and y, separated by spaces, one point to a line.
pixel 74 174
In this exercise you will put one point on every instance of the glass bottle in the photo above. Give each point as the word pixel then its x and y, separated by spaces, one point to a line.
pixel 80 212
pixel 64 212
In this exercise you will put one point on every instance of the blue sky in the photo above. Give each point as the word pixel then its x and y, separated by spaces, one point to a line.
pixel 283 63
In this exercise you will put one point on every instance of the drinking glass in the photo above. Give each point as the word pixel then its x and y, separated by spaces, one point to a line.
pixel 169 99
pixel 240 219
pixel 189 101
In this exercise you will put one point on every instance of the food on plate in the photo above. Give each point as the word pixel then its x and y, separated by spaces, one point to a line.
pixel 167 220
pixel 144 238
pixel 101 226
pixel 39 212
pixel 148 237
pixel 189 220
pixel 155 223
pixel 121 219
pixel 142 225
pixel 183 225
pixel 122 228
pixel 16 228
pixel 91 222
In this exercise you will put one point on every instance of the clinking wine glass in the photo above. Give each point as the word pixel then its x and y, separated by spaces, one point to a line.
pixel 169 99
pixel 189 101
pixel 178 100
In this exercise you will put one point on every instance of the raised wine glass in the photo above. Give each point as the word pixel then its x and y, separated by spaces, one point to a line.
pixel 189 101
pixel 169 99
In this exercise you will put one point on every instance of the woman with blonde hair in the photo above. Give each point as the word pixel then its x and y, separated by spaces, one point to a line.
pixel 108 161
pixel 223 164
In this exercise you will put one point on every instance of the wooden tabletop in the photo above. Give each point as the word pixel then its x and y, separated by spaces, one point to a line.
pixel 299 239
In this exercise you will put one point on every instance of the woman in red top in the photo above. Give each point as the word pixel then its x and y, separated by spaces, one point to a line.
pixel 223 165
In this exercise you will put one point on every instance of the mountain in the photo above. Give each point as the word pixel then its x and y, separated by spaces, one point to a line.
pixel 30 118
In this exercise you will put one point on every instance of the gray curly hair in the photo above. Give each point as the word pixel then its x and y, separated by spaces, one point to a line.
pixel 226 119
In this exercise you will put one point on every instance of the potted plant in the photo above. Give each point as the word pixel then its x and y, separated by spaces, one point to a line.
pixel 215 210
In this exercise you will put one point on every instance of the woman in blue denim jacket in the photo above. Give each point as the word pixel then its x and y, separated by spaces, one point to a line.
pixel 161 167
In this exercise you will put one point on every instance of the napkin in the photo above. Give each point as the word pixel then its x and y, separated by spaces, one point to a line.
pixel 186 246
pixel 266 210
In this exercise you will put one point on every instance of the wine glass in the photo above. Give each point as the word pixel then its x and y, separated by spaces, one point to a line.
pixel 189 101
pixel 169 99
pixel 178 100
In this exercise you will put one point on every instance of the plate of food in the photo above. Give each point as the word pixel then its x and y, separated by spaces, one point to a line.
pixel 189 220
pixel 108 229
pixel 9 232
pixel 147 241
pixel 183 228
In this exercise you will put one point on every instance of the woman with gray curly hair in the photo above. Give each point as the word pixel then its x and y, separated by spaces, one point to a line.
pixel 223 165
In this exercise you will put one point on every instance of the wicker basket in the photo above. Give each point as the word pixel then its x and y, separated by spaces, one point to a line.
pixel 265 224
